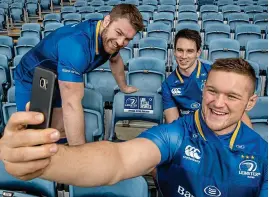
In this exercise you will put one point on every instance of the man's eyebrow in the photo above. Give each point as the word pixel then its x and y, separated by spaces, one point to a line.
pixel 228 93
pixel 123 33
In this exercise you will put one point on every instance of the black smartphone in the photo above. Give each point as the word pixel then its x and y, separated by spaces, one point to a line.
pixel 43 93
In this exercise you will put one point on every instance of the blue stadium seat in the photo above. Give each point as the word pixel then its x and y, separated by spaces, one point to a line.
pixel 186 2
pixel 71 18
pixel 51 18
pixel 259 117
pixel 32 7
pixel 145 106
pixel 211 19
pixel 25 44
pixel 216 31
pixel 187 17
pixel 127 188
pixel 133 2
pixel 148 9
pixel 5 6
pixel 105 9
pixel 97 3
pixel 3 19
pixel 153 47
pixel 102 80
pixel 187 8
pixel 16 12
pixel 10 106
pixel 252 10
pixel 93 107
pixel 146 73
pixel 186 25
pixel 146 18
pixel 66 10
pixel 164 17
pixel 15 187
pixel 245 33
pixel 207 9
pixel 264 4
pixel 45 5
pixel 16 61
pixel 168 2
pixel 31 29
pixel 127 52
pixel 51 27
pixel 153 3
pixel 94 16
pixel 159 30
pixel 223 48
pixel 167 8
pixel 85 10
pixel 80 4
pixel 257 51
pixel 261 19
pixel 6 46
pixel 229 9
pixel 236 19
pixel 113 2
pixel 222 3
pixel 244 3
pixel 4 74
pixel 136 38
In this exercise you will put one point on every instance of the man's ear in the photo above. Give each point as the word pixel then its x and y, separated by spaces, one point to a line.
pixel 251 102
pixel 199 53
pixel 106 21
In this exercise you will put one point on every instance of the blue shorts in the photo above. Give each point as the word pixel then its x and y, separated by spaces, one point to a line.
pixel 23 95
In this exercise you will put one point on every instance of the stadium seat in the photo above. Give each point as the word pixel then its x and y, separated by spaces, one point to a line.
pixel 186 25
pixel 222 3
pixel 244 3
pixel 97 3
pixel 186 2
pixel 207 9
pixel 257 51
pixel 31 29
pixel 71 18
pixel 16 12
pixel 164 17
pixel 145 106
pixel 3 20
pixel 261 19
pixel 66 10
pixel 127 52
pixel 153 3
pixel 229 9
pixel 223 48
pixel 153 47
pixel 51 27
pixel 167 8
pixel 102 80
pixel 105 9
pixel 51 18
pixel 146 18
pixel 211 19
pixel 127 188
pixel 9 107
pixel 16 61
pixel 146 73
pixel 252 10
pixel 187 17
pixel 216 31
pixel 187 8
pixel 25 44
pixel 32 7
pixel 237 19
pixel 45 5
pixel 159 30
pixel 93 107
pixel 113 2
pixel 5 6
pixel 80 4
pixel 259 117
pixel 264 4
pixel 133 2
pixel 15 187
pixel 136 38
pixel 94 16
pixel 85 10
pixel 148 9
pixel 6 46
pixel 245 33
pixel 168 2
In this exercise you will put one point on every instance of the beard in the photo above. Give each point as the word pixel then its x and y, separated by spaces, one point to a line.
pixel 106 42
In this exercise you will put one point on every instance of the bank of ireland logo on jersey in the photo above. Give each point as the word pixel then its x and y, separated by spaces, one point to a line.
pixel 212 191
pixel 248 168
pixel 176 91
pixel 192 153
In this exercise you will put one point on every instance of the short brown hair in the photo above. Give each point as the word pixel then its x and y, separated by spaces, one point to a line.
pixel 190 35
pixel 236 65
pixel 130 12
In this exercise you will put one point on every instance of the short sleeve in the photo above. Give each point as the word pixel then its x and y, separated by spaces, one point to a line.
pixel 168 100
pixel 73 59
pixel 167 137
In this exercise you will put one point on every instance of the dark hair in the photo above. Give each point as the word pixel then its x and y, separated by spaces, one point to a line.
pixel 130 12
pixel 236 65
pixel 190 35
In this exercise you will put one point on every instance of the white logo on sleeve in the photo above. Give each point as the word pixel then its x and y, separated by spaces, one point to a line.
pixel 212 191
pixel 192 154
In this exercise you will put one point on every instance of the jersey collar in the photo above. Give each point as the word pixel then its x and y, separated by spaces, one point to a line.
pixel 210 134
pixel 96 37
pixel 197 74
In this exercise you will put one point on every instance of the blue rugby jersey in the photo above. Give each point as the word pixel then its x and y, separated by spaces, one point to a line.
pixel 196 162
pixel 185 92
pixel 71 51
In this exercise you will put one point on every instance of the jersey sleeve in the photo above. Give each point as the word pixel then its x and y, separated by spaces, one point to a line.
pixel 73 60
pixel 167 137
pixel 168 101
pixel 264 187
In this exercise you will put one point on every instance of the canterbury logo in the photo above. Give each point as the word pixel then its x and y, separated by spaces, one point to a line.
pixel 192 152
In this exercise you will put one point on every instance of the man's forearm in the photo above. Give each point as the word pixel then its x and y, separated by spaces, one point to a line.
pixel 117 69
pixel 88 165
pixel 74 123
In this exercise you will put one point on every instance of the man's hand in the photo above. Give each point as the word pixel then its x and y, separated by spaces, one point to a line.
pixel 26 152
pixel 129 89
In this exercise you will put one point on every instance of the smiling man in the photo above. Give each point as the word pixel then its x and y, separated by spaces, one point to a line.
pixel 72 51
pixel 206 153
pixel 182 90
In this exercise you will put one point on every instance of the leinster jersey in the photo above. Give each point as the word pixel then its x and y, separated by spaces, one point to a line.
pixel 197 162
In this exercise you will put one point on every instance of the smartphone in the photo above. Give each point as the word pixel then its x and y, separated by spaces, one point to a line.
pixel 43 95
